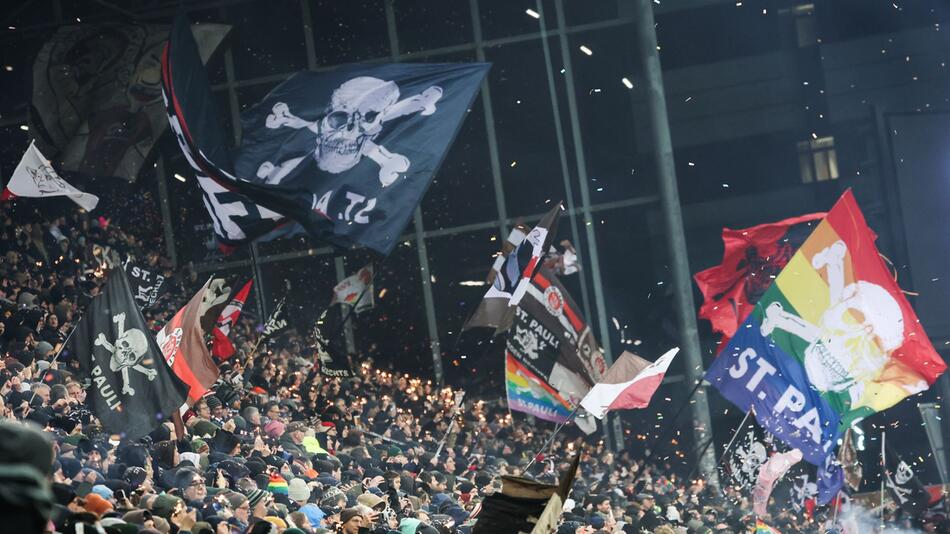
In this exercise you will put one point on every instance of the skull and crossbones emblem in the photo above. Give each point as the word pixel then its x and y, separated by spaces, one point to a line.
pixel 358 111
pixel 128 352
pixel 861 327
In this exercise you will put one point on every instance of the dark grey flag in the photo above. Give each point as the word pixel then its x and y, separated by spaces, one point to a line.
pixel 132 388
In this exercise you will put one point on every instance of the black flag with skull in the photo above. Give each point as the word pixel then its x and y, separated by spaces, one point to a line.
pixel 131 388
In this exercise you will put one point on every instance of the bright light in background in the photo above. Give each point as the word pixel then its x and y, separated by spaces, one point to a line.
pixel 8 68
pixel 24 127
pixel 586 50
pixel 532 13
pixel 179 177
pixel 472 283
pixel 627 83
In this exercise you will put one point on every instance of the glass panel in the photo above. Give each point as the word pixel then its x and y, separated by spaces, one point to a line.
pixel 424 24
pixel 527 144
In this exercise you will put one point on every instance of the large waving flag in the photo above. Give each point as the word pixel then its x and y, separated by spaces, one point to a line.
pixel 347 154
pixel 183 345
pixel 831 341
pixel 222 346
pixel 751 260
pixel 531 394
pixel 34 177
pixel 628 384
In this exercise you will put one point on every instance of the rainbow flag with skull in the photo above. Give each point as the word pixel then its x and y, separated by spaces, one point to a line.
pixel 831 341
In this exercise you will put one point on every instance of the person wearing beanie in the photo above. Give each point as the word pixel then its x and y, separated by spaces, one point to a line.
pixel 95 504
pixel 276 484
pixel 298 491
pixel 351 521
pixel 258 501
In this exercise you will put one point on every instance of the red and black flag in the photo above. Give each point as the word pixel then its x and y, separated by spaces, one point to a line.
pixel 183 345
pixel 221 346
pixel 752 259
pixel 132 387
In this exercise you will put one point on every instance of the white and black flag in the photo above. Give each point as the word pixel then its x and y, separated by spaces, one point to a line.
pixel 147 284
pixel 277 320
pixel 751 449
pixel 132 389
pixel 346 154
pixel 902 483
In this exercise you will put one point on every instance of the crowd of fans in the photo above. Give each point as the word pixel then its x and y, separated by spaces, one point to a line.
pixel 276 447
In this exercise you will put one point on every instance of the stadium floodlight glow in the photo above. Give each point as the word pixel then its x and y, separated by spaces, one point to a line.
pixel 532 13
pixel 586 50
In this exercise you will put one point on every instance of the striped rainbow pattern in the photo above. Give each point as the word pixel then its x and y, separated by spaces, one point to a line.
pixel 530 394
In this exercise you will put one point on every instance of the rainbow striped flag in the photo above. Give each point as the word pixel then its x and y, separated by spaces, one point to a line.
pixel 530 394
pixel 762 528
pixel 831 341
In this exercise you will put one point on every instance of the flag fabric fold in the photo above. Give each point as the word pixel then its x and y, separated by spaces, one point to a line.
pixel 751 260
pixel 628 384
pixel 221 346
pixel 34 177
pixel 832 340
pixel 132 388
pixel 183 345
pixel 97 104
pixel 346 154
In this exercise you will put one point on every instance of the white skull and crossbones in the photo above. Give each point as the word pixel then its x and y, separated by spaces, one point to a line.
pixel 861 327
pixel 128 351
pixel 356 115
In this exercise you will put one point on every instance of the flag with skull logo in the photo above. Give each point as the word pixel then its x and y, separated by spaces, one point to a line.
pixel 131 389
pixel 347 154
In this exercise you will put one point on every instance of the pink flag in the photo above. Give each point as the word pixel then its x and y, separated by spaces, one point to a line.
pixel 627 384
pixel 771 471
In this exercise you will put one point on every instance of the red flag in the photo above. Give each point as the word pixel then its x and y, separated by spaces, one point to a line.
pixel 222 346
pixel 183 345
pixel 753 257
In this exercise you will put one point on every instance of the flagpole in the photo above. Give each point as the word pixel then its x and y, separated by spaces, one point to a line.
pixel 550 439
pixel 459 399
pixel 728 446
pixel 883 474
pixel 672 424
pixel 56 358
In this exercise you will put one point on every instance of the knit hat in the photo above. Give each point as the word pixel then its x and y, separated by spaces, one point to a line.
pixel 274 429
pixel 97 505
pixel 277 484
pixel 102 491
pixel 298 490
pixel 204 428
pixel 43 348
pixel 254 496
pixel 347 514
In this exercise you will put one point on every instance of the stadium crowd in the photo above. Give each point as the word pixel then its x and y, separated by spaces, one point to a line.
pixel 276 447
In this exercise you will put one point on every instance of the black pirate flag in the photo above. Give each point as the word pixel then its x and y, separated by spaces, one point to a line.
pixel 345 154
pixel 328 345
pixel 131 389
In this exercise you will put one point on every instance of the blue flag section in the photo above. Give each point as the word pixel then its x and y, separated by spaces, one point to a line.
pixel 347 154
pixel 754 373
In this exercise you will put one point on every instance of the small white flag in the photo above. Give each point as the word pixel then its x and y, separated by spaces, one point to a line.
pixel 356 290
pixel 34 177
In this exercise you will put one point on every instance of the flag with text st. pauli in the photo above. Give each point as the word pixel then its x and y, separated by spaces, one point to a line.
pixel 831 341
pixel 552 358
pixel 132 389
pixel 347 154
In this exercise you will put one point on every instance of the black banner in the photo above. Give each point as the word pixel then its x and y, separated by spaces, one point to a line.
pixel 147 284
pixel 329 345
pixel 132 388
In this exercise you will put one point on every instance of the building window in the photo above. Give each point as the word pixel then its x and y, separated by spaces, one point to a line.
pixel 805 23
pixel 818 160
